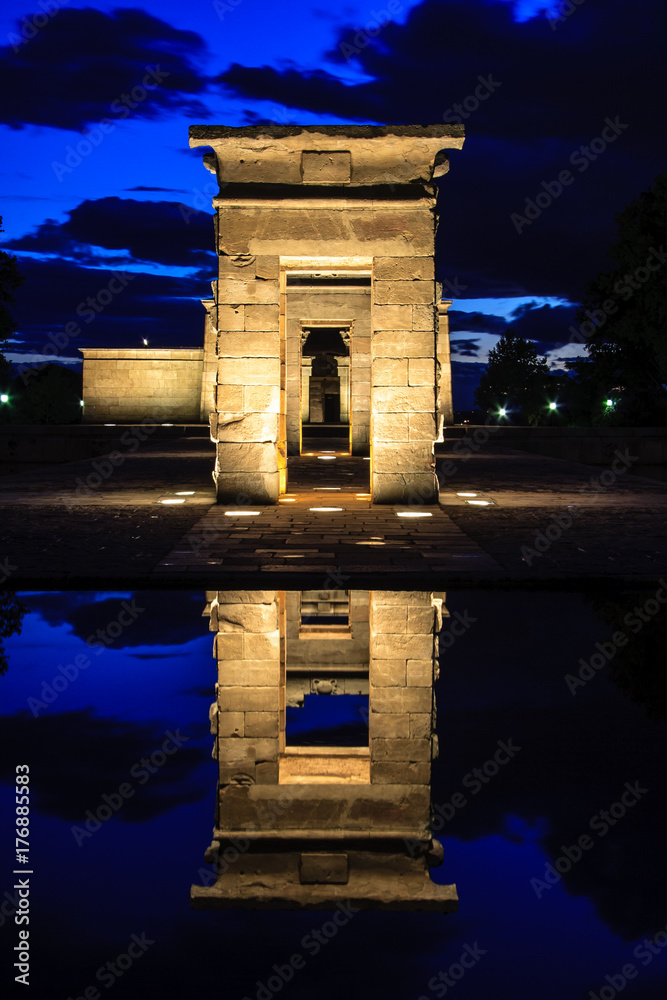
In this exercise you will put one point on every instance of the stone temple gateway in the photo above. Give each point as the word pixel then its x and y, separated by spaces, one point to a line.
pixel 325 309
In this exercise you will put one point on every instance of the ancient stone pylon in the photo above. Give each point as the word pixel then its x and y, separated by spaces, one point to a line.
pixel 314 826
pixel 328 227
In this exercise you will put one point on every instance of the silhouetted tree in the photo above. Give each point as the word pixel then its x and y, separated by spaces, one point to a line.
pixel 624 315
pixel 11 621
pixel 516 378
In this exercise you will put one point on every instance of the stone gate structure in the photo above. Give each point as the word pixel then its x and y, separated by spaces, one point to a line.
pixel 325 305
pixel 304 824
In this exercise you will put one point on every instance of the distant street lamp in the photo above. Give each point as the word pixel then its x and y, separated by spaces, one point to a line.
pixel 4 398
pixel 552 406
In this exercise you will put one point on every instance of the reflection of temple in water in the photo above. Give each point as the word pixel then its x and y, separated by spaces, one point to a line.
pixel 324 726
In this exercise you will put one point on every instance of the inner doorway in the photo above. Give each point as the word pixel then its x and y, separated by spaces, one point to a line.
pixel 325 387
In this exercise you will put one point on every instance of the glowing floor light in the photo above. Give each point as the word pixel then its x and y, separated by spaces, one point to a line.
pixel 242 513
pixel 466 494
pixel 412 513
pixel 324 508
pixel 185 493
pixel 172 500
pixel 481 503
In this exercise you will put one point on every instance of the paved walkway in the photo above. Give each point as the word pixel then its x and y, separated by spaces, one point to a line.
pixel 547 523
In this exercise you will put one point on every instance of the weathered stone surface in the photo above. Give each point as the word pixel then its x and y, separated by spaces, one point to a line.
pixel 249 699
pixel 393 427
pixel 402 344
pixel 392 618
pixel 389 726
pixel 231 750
pixel 243 345
pixel 403 268
pixel 261 317
pixel 248 291
pixel 400 773
pixel 320 167
pixel 260 399
pixel 230 724
pixel 398 749
pixel 229 398
pixel 401 457
pixel 235 488
pixel 397 399
pixel 397 701
pixel 261 724
pixel 404 292
pixel 423 318
pixel 421 725
pixel 323 868
pixel 246 457
pixel 388 673
pixel 394 317
pixel 249 371
pixel 421 620
pixel 249 673
pixel 421 371
pixel 245 596
pixel 420 673
pixel 252 427
pixel 390 371
pixel 261 647
pixel 230 317
pixel 391 646
pixel 421 427
pixel 408 489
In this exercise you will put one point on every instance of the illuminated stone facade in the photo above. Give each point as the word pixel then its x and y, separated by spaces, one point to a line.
pixel 326 306
pixel 302 824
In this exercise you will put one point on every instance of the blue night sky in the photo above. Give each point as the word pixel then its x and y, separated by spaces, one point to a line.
pixel 92 184
pixel 499 682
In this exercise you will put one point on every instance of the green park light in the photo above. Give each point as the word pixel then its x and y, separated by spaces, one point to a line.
pixel 552 406
pixel 4 398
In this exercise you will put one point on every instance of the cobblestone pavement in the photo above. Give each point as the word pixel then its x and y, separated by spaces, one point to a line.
pixel 549 522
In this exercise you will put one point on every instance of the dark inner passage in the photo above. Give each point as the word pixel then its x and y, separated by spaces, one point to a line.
pixel 328 410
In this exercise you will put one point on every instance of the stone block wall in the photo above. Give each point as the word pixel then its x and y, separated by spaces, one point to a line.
pixel 126 385
pixel 246 423
pixel 246 713
pixel 403 376
pixel 403 660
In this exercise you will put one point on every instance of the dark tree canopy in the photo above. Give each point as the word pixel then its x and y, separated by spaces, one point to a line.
pixel 624 314
pixel 11 621
pixel 516 379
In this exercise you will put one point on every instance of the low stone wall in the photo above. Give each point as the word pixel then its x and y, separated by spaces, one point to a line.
pixel 125 385
pixel 590 445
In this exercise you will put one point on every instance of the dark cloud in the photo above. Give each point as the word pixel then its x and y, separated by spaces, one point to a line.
pixel 155 231
pixel 465 379
pixel 165 618
pixel 542 93
pixel 89 756
pixel 163 309
pixel 547 325
pixel 77 68
pixel 476 322
pixel 466 348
